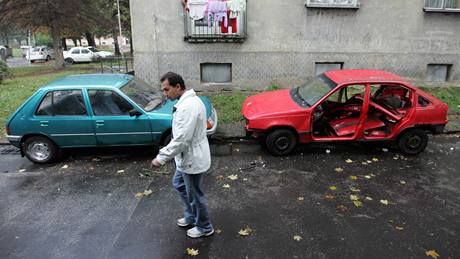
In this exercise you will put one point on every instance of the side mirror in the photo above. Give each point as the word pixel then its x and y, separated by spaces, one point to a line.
pixel 134 112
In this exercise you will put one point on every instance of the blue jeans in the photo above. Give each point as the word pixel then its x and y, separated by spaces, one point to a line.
pixel 196 209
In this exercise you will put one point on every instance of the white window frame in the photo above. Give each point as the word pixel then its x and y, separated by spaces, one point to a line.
pixel 440 9
pixel 330 4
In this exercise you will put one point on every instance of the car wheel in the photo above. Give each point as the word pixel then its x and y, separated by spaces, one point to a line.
pixel 40 150
pixel 32 61
pixel 281 142
pixel 68 61
pixel 413 141
pixel 48 58
pixel 166 139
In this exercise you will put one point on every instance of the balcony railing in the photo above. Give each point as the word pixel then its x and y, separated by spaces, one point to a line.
pixel 204 31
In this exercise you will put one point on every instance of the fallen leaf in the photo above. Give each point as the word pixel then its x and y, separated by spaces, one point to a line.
pixel 218 231
pixel 233 177
pixel 364 163
pixel 96 159
pixel 192 252
pixel 343 208
pixel 237 150
pixel 367 176
pixel 297 238
pixel 120 171
pixel 300 198
pixel 245 179
pixel 220 177
pixel 147 192
pixel 369 161
pixel 358 203
pixel 433 254
pixel 349 161
pixel 328 151
pixel 353 189
pixel 22 170
pixel 385 149
pixel 395 158
pixel 245 232
pixel 373 175
pixel 399 228
pixel 369 198
pixel 329 197
pixel 65 167
pixel 226 186
pixel 402 182
pixel 374 159
pixel 339 169
pixel 353 177
pixel 333 188
pixel 384 202
pixel 354 197
pixel 139 195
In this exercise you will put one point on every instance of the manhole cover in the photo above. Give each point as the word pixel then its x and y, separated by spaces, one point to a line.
pixel 9 150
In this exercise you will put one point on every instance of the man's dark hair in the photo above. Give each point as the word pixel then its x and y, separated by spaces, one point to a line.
pixel 173 79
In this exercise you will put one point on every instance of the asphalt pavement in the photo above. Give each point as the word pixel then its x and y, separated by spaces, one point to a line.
pixel 325 201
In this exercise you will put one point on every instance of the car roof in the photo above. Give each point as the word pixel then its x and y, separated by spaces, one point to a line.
pixel 358 75
pixel 92 80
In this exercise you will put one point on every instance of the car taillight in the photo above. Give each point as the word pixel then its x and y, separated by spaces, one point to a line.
pixel 209 124
pixel 8 131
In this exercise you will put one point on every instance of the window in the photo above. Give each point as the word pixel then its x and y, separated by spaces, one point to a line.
pixel 108 103
pixel 84 51
pixel 332 3
pixel 438 72
pixel 76 51
pixel 423 102
pixel 442 6
pixel 215 28
pixel 216 72
pixel 62 103
pixel 321 67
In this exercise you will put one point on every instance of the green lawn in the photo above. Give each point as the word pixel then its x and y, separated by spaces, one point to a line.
pixel 24 82
pixel 228 106
pixel 449 95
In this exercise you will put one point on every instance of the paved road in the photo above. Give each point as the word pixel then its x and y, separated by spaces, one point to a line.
pixel 88 210
pixel 22 62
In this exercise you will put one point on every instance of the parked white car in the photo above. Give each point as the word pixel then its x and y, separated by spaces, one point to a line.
pixel 84 54
pixel 40 53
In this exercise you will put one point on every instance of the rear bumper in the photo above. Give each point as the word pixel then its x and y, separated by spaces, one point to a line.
pixel 215 119
pixel 14 140
pixel 438 129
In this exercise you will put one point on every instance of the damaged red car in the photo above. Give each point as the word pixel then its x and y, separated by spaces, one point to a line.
pixel 345 105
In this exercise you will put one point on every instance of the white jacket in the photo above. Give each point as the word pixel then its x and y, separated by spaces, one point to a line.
pixel 189 145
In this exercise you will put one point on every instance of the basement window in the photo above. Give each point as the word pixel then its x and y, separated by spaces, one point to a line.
pixel 438 72
pixel 321 67
pixel 352 4
pixel 216 72
pixel 442 6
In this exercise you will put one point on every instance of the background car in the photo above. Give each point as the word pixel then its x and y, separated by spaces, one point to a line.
pixel 84 54
pixel 40 53
pixel 346 105
pixel 93 110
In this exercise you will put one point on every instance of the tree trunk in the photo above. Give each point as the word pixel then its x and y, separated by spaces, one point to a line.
pixel 56 35
pixel 117 47
pixel 90 38
pixel 64 44
pixel 79 40
pixel 75 42
pixel 131 48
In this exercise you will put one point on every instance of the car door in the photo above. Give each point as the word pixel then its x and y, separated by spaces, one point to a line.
pixel 63 116
pixel 75 55
pixel 86 55
pixel 113 124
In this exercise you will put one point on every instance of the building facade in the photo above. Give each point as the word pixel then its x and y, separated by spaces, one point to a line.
pixel 287 42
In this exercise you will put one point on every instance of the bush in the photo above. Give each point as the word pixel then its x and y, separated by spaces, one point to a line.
pixel 273 87
pixel 3 70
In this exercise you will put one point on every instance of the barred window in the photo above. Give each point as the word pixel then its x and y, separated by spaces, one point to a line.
pixel 442 5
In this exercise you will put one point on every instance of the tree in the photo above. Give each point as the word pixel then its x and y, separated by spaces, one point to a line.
pixel 57 16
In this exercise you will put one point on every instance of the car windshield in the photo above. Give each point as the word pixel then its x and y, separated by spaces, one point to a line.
pixel 35 49
pixel 315 89
pixel 143 94
pixel 93 49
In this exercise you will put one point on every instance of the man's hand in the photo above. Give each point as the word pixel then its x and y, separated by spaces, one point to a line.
pixel 155 163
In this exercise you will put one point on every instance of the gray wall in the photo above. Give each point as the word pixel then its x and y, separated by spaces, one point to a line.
pixel 285 39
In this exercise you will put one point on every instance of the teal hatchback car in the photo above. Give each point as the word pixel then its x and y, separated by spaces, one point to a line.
pixel 93 110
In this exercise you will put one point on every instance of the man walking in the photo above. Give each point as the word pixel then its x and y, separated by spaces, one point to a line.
pixel 190 148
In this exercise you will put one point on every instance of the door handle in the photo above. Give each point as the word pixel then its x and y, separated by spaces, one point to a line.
pixel 44 123
pixel 99 123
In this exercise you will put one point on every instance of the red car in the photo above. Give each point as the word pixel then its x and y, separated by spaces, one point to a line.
pixel 345 105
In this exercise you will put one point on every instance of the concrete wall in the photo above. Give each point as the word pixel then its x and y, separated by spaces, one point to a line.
pixel 285 39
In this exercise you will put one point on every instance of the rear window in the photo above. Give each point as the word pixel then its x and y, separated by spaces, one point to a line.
pixel 62 103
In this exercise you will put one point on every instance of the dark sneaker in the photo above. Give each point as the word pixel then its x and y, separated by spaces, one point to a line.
pixel 195 233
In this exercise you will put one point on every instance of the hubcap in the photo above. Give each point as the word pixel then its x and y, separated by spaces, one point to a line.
pixel 282 143
pixel 414 141
pixel 38 151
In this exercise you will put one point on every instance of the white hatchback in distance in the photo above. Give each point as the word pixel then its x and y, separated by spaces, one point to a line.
pixel 84 54
pixel 40 53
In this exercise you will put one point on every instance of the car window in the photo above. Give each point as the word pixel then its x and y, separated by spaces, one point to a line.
pixel 143 94
pixel 93 49
pixel 62 103
pixel 76 51
pixel 84 51
pixel 108 103
pixel 35 49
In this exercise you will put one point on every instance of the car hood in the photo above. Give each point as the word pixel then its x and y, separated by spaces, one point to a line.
pixel 273 103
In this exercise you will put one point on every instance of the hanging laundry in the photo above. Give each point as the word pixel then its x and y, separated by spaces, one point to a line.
pixel 216 11
pixel 236 7
pixel 224 29
pixel 197 8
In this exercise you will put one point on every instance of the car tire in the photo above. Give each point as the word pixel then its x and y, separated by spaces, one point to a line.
pixel 32 61
pixel 68 61
pixel 40 150
pixel 281 142
pixel 166 139
pixel 47 58
pixel 413 141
